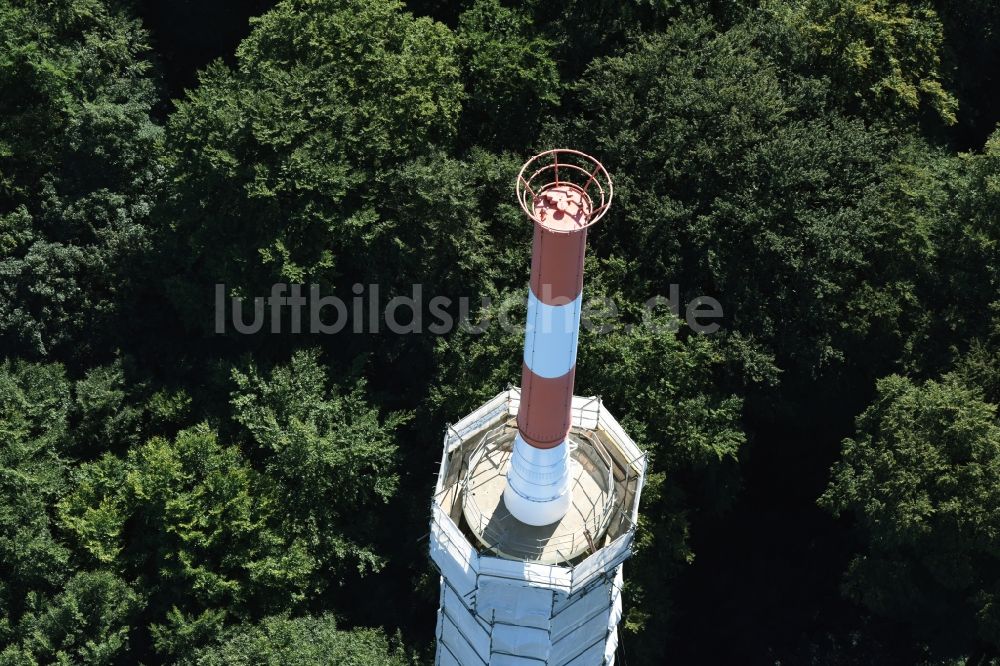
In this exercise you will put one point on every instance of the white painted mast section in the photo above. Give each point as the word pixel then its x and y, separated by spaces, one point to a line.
pixel 551 336
pixel 538 483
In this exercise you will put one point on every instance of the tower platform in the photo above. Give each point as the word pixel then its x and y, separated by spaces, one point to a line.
pixel 513 594
pixel 485 514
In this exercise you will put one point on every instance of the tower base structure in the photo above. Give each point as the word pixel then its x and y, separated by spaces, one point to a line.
pixel 527 595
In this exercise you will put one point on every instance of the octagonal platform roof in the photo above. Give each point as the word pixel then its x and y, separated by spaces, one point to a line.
pixel 472 533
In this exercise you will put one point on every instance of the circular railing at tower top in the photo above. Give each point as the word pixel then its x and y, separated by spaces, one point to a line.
pixel 562 167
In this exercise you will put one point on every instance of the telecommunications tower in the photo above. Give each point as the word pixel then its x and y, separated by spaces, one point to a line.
pixel 538 491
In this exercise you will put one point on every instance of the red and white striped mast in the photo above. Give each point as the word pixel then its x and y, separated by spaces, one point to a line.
pixel 563 192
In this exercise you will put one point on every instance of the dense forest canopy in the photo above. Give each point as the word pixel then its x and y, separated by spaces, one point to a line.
pixel 825 484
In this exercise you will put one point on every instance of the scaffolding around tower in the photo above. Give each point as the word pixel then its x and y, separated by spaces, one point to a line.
pixel 510 595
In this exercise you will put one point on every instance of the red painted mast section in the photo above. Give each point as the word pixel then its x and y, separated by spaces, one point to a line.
pixel 557 255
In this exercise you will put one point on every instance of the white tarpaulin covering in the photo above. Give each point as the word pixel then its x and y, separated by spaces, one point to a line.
pixel 454 556
pixel 597 603
pixel 503 612
pixel 521 641
pixel 570 645
pixel 511 660
pixel 592 656
pixel 458 644
pixel 499 601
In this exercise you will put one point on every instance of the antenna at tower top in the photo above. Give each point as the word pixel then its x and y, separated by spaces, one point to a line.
pixel 564 176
